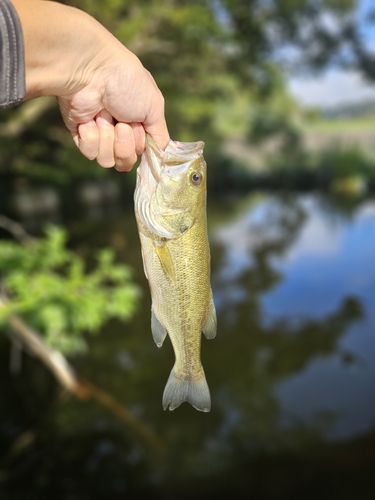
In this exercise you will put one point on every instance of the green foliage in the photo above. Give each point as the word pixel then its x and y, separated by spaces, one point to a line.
pixel 347 169
pixel 217 64
pixel 48 287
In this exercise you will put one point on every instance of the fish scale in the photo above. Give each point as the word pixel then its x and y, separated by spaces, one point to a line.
pixel 170 198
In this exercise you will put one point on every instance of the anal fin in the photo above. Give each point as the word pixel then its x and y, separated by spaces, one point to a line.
pixel 158 331
pixel 209 328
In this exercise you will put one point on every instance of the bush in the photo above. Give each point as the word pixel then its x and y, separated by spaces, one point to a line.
pixel 46 284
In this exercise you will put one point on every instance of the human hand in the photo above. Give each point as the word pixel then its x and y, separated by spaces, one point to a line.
pixel 107 98
pixel 108 116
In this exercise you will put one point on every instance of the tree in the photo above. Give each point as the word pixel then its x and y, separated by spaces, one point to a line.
pixel 211 59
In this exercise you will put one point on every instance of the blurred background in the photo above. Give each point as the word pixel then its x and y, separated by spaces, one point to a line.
pixel 282 92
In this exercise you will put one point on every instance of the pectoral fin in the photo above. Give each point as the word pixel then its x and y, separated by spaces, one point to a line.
pixel 165 258
pixel 158 331
pixel 209 328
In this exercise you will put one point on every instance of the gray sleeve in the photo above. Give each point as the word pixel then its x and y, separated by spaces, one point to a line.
pixel 12 62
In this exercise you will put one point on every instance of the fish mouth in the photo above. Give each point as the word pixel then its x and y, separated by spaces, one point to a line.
pixel 175 159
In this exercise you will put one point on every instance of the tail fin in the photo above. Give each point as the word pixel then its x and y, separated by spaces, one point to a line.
pixel 195 392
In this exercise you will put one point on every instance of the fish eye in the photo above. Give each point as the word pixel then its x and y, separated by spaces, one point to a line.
pixel 196 178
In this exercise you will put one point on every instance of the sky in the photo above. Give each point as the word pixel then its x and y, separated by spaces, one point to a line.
pixel 332 89
pixel 337 87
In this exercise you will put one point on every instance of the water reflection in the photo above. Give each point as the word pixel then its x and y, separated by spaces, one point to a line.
pixel 296 274
pixel 291 371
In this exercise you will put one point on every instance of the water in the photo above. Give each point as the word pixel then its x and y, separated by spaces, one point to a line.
pixel 324 269
pixel 291 372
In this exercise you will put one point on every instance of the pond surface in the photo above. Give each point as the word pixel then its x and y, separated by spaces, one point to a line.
pixel 291 372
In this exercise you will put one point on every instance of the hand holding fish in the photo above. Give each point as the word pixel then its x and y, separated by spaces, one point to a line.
pixel 107 98
pixel 109 115
pixel 170 208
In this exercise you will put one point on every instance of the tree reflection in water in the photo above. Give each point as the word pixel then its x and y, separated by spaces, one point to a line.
pixel 248 444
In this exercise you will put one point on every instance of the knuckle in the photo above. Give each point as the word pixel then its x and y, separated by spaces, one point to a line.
pixel 106 164
pixel 89 150
pixel 91 134
pixel 105 161
pixel 89 155
pixel 125 164
pixel 160 101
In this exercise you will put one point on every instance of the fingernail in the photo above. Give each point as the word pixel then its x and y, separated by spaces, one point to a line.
pixel 106 116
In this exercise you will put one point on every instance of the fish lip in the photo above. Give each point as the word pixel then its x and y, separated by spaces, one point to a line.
pixel 155 156
pixel 183 152
pixel 176 156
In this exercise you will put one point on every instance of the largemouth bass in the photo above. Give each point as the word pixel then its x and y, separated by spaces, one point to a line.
pixel 170 208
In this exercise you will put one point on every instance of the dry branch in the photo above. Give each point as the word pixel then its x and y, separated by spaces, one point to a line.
pixel 81 388
pixel 26 116
pixel 52 359
pixel 16 229
pixel 32 342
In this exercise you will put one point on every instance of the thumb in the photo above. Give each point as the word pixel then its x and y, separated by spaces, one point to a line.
pixel 159 133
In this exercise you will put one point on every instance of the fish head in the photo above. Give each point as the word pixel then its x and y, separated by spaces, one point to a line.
pixel 171 187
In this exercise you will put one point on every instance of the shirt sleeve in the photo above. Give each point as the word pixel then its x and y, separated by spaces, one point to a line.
pixel 12 61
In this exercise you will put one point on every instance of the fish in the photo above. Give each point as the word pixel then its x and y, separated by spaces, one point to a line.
pixel 170 210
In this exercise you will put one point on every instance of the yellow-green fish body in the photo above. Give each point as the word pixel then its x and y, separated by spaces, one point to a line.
pixel 170 207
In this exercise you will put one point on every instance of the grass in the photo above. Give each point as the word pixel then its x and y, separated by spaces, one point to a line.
pixel 334 154
pixel 355 124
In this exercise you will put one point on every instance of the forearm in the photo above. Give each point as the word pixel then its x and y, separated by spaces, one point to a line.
pixel 61 46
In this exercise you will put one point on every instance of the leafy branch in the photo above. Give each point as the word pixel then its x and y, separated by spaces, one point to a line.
pixel 48 302
pixel 48 287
